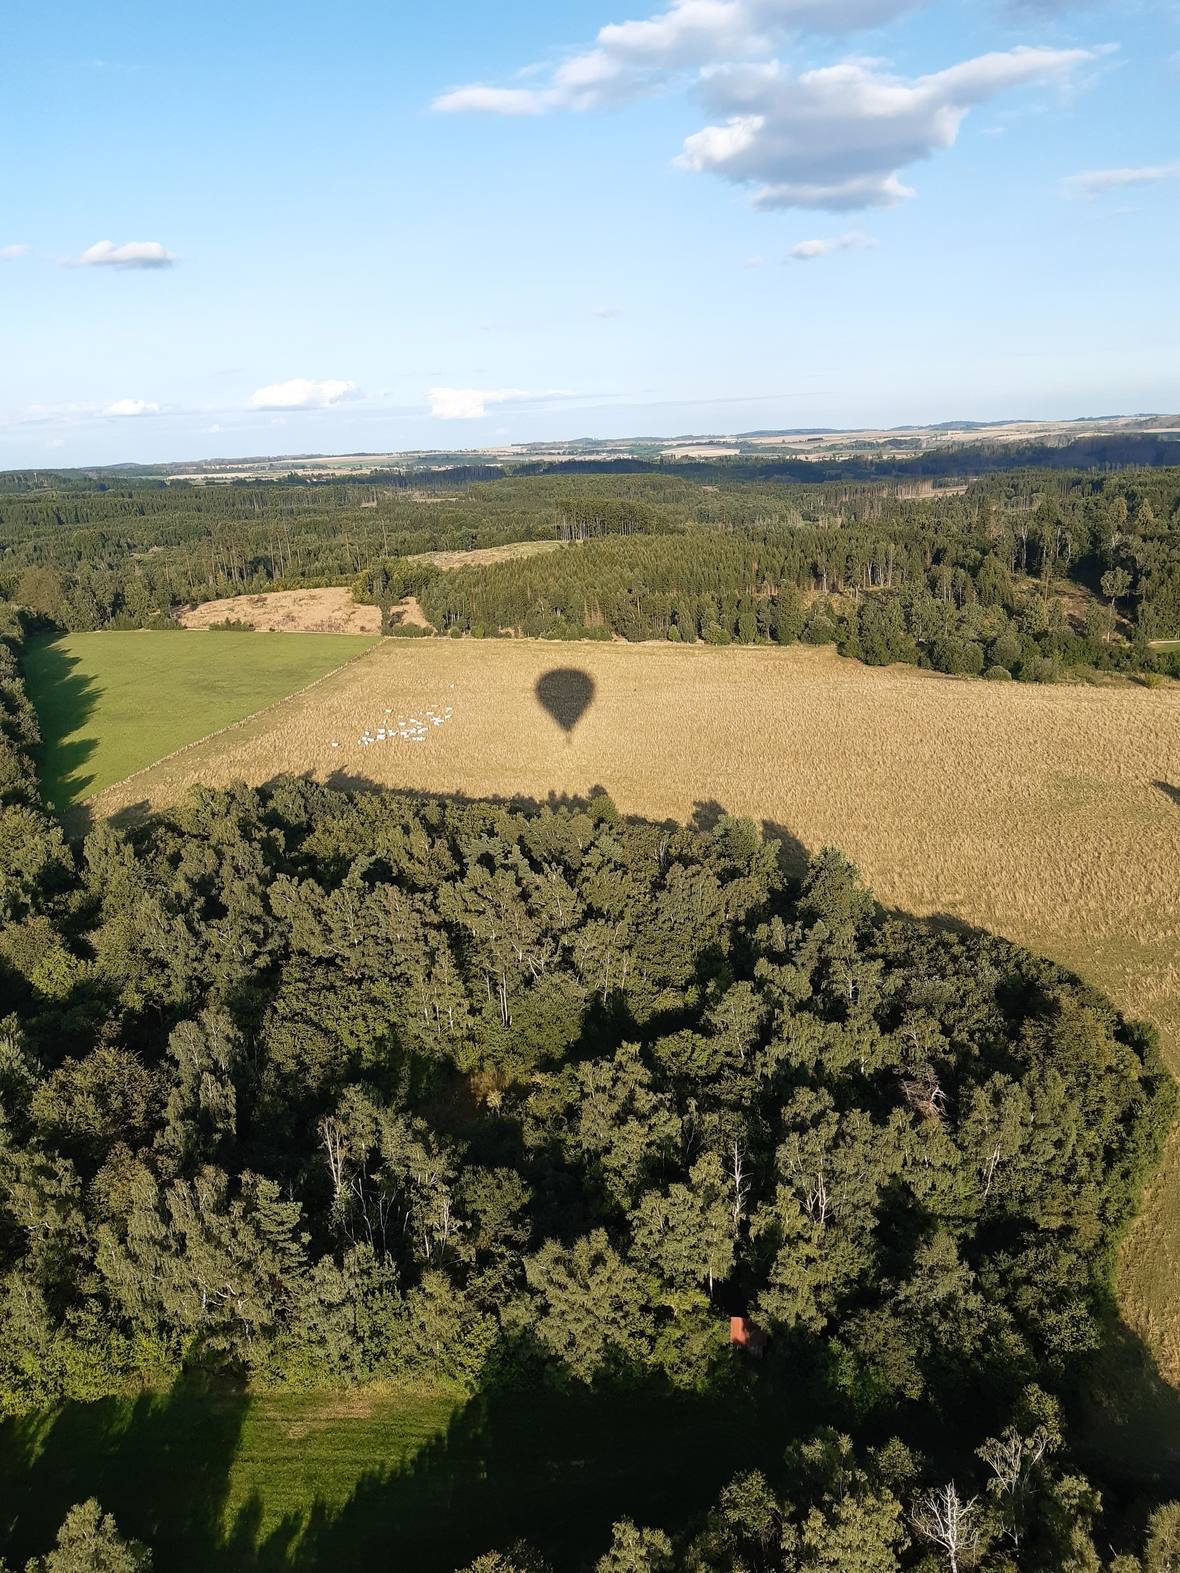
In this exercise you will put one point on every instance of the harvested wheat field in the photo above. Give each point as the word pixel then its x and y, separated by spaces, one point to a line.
pixel 1048 814
pixel 330 611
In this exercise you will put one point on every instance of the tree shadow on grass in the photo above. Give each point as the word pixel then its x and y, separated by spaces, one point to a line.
pixel 517 1460
pixel 160 1462
pixel 520 1459
pixel 556 1468
pixel 1169 791
pixel 64 698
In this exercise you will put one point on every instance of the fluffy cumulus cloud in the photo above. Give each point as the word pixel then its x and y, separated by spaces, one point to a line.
pixel 838 137
pixel 1092 182
pixel 11 253
pixel 131 407
pixel 471 404
pixel 131 254
pixel 637 56
pixel 835 138
pixel 809 250
pixel 303 393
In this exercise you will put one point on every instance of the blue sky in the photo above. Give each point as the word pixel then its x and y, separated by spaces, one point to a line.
pixel 262 228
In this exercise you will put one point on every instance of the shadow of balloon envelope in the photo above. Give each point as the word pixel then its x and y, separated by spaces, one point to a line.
pixel 566 694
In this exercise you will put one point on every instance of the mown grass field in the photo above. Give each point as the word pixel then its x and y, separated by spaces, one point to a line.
pixel 414 1480
pixel 111 703
pixel 1047 814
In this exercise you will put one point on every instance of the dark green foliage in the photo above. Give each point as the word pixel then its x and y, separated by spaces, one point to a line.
pixel 89 1542
pixel 371 1086
pixel 34 863
pixel 314 1089
pixel 720 553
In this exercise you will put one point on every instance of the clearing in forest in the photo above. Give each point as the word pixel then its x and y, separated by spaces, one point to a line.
pixel 328 611
pixel 482 556
pixel 1049 814
pixel 110 703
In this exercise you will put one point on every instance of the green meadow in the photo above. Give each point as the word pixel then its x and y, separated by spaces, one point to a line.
pixel 408 1479
pixel 111 703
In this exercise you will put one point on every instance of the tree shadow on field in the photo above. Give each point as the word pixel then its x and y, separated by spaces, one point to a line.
pixel 79 819
pixel 1169 791
pixel 554 1466
pixel 64 698
pixel 522 1458
pixel 160 1462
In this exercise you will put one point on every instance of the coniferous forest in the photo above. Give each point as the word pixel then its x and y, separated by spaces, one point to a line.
pixel 1025 573
pixel 303 1089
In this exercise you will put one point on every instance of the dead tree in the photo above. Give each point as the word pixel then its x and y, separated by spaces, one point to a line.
pixel 942 1519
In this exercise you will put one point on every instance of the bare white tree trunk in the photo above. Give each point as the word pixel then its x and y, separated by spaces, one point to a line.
pixel 942 1519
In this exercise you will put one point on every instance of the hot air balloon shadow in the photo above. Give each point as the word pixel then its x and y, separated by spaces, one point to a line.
pixel 566 694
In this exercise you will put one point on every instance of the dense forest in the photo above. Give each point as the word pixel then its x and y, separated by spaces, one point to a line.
pixel 968 583
pixel 1024 573
pixel 316 1089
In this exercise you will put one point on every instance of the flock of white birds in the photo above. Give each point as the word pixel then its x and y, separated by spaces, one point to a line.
pixel 407 728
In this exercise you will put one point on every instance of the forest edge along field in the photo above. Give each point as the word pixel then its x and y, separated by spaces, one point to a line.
pixel 590 956
pixel 110 704
pixel 417 1076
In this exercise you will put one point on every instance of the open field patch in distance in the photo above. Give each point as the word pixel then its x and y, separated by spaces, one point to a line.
pixel 328 611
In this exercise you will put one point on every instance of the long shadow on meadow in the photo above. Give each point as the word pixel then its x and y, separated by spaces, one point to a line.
pixel 159 1462
pixel 554 1467
pixel 519 1460
pixel 64 698
pixel 532 1461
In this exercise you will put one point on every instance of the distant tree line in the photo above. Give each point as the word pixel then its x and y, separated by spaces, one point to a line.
pixel 966 582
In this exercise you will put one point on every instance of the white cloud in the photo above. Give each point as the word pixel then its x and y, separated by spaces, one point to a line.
pixel 1091 182
pixel 837 137
pixel 754 262
pixel 131 254
pixel 479 99
pixel 809 250
pixel 834 138
pixel 637 56
pixel 471 404
pixel 11 253
pixel 131 407
pixel 212 430
pixel 303 393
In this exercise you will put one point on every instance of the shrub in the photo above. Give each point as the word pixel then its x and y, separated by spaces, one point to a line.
pixel 959 657
pixel 998 674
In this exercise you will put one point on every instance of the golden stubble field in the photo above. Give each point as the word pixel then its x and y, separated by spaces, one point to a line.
pixel 1048 814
